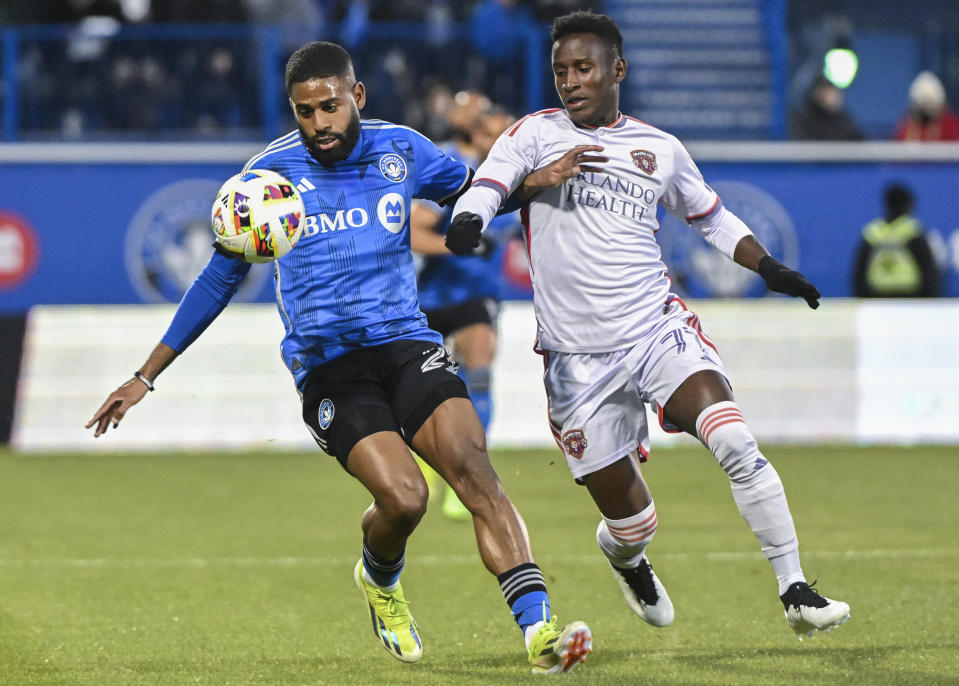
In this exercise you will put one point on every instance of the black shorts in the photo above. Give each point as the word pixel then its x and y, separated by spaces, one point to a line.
pixel 391 387
pixel 449 320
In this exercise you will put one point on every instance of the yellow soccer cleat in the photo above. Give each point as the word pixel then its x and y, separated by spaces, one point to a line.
pixel 552 651
pixel 393 625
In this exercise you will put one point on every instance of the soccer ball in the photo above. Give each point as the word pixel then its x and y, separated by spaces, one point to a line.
pixel 258 215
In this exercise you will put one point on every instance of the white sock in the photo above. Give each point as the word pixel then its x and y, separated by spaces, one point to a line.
pixel 371 582
pixel 531 631
pixel 757 488
pixel 624 541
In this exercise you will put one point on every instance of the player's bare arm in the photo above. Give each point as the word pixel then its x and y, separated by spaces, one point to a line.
pixel 131 392
pixel 577 161
pixel 751 254
pixel 423 239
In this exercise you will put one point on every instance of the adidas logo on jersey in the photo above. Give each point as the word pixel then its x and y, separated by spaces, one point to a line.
pixel 304 185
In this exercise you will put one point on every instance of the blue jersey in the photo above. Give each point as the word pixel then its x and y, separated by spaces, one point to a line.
pixel 448 280
pixel 349 282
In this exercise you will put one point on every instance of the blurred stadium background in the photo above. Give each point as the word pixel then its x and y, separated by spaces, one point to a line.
pixel 119 119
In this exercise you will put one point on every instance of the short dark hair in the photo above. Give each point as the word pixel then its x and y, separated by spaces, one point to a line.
pixel 318 60
pixel 587 21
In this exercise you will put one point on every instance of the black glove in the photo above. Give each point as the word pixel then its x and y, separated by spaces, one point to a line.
pixel 464 233
pixel 485 248
pixel 782 279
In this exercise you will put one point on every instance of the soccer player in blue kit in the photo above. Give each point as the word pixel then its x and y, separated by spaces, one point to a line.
pixel 374 380
pixel 460 294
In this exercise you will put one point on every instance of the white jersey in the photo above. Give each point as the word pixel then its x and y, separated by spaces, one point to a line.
pixel 599 280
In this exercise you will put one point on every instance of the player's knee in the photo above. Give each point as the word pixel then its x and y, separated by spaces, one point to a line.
pixel 724 431
pixel 623 540
pixel 405 506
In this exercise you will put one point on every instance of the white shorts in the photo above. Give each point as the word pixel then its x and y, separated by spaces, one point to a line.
pixel 596 401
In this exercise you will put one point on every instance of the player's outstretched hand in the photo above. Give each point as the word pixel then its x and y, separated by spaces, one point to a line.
pixel 782 279
pixel 464 233
pixel 116 406
pixel 576 161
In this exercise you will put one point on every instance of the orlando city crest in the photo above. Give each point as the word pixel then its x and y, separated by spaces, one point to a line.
pixel 574 443
pixel 393 167
pixel 645 160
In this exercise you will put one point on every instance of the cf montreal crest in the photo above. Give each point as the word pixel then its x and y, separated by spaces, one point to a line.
pixel 574 443
pixel 393 167
pixel 169 240
pixel 325 415
pixel 645 160
pixel 699 270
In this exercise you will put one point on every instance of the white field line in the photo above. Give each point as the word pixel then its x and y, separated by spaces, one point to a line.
pixel 430 560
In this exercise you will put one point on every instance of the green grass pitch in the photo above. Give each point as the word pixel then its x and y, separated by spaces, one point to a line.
pixel 231 569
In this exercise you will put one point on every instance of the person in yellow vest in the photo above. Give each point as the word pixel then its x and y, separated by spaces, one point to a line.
pixel 894 259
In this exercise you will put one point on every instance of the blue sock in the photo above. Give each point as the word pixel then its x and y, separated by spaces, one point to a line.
pixel 384 573
pixel 478 384
pixel 525 591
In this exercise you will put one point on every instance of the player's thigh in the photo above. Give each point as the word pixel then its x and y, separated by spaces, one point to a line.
pixel 471 327
pixel 595 413
pixel 453 442
pixel 474 345
pixel 423 379
pixel 344 402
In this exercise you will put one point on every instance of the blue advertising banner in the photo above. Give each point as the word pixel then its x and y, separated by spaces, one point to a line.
pixel 115 233
pixel 811 216
pixel 108 233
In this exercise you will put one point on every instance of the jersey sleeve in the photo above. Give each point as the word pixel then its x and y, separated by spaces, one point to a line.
pixel 512 159
pixel 687 196
pixel 439 177
pixel 205 299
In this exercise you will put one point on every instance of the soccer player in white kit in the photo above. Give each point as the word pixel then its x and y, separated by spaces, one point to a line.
pixel 613 336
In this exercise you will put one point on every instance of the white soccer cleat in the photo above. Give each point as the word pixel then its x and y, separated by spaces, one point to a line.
pixel 645 594
pixel 808 612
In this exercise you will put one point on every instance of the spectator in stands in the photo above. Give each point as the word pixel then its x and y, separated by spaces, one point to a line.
pixel 548 10
pixel 138 89
pixel 215 103
pixel 822 115
pixel 929 117
pixel 430 112
pixel 894 259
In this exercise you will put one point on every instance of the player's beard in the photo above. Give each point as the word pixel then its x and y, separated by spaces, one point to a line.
pixel 347 139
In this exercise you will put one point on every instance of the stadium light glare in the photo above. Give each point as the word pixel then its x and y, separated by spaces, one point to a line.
pixel 840 66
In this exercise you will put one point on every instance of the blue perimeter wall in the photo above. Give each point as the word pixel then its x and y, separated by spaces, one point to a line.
pixel 104 230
